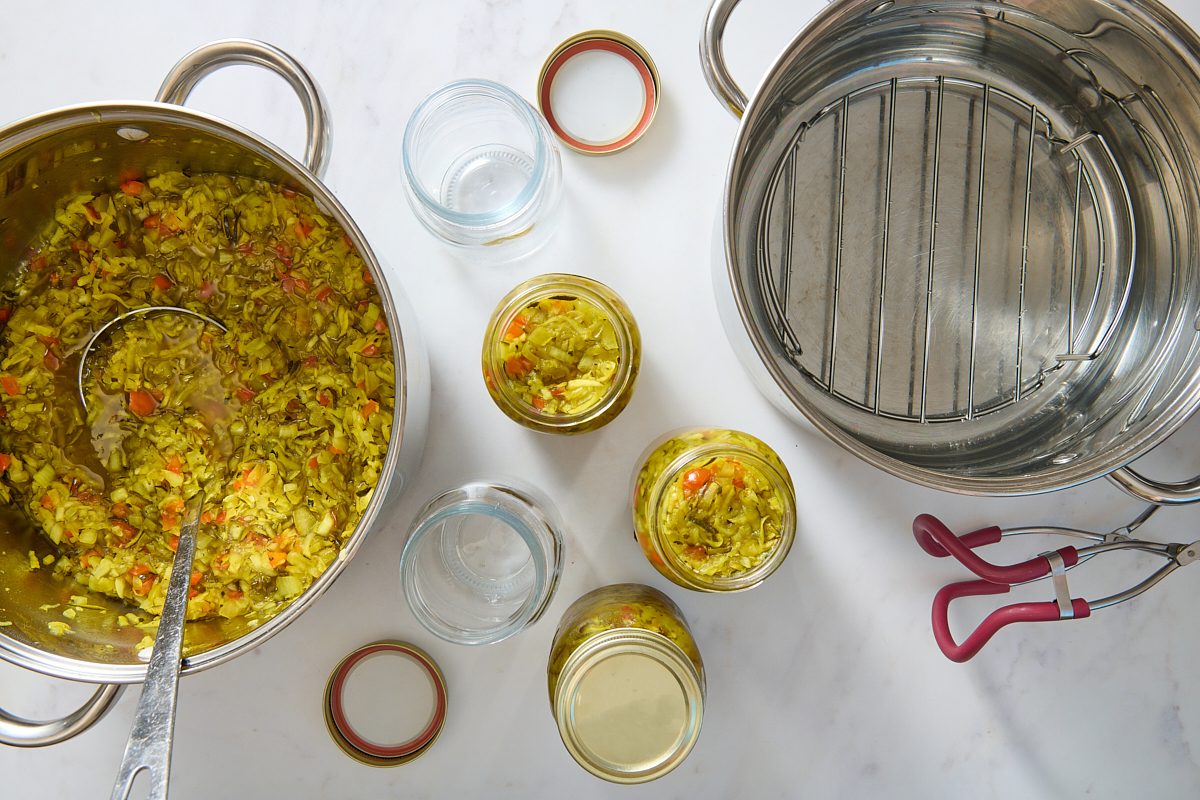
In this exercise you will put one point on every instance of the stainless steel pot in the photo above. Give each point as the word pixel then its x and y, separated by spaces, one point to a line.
pixel 961 237
pixel 48 156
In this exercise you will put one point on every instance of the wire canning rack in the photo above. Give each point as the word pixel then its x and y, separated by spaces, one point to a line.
pixel 963 249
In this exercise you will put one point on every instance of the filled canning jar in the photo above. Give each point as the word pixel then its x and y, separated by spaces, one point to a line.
pixel 713 509
pixel 626 683
pixel 561 354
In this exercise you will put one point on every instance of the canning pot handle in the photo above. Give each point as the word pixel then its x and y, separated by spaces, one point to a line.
pixel 712 58
pixel 20 732
pixel 208 58
pixel 1163 493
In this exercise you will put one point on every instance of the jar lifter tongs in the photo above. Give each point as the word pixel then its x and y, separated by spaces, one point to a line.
pixel 938 540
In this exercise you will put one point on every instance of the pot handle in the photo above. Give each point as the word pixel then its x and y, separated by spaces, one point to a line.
pixel 20 732
pixel 208 58
pixel 712 58
pixel 1163 493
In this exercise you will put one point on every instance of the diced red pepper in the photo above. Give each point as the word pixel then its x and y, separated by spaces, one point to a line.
pixel 323 293
pixel 206 290
pixel 5 462
pixel 518 366
pixel 152 221
pixel 132 188
pixel 142 402
pixel 162 283
pixel 538 402
pixel 371 350
pixel 324 399
pixel 303 228
pixel 10 385
pixel 695 479
pixel 516 327
pixel 245 394
pixel 370 407
pixel 367 278
pixel 175 464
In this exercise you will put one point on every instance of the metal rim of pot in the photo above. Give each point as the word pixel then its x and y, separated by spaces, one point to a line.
pixel 410 367
pixel 1180 41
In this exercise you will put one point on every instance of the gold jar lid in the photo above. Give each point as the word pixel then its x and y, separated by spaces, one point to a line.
pixel 629 704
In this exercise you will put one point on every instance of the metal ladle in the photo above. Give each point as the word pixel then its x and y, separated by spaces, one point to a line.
pixel 150 739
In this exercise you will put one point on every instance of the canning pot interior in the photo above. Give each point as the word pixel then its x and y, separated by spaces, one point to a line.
pixel 961 236
pixel 41 162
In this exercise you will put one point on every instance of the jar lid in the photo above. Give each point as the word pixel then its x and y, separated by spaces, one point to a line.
pixel 629 705
pixel 598 91
pixel 385 703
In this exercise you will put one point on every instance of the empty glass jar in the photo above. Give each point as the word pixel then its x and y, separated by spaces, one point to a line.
pixel 482 562
pixel 482 171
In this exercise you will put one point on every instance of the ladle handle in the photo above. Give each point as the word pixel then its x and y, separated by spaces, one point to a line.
pixel 208 58
pixel 712 58
pixel 149 745
pixel 1163 493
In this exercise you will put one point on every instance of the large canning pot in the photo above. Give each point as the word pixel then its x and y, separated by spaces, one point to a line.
pixel 961 238
pixel 49 156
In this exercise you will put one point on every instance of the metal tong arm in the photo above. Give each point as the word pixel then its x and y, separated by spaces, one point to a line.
pixel 1047 611
pixel 149 746
pixel 939 541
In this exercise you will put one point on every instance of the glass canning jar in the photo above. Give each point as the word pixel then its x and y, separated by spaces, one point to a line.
pixel 482 561
pixel 713 509
pixel 482 172
pixel 626 683
pixel 561 354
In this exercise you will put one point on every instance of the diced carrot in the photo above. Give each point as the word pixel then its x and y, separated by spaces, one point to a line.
pixel 206 517
pixel 516 327
pixel 5 461
pixel 367 278
pixel 221 516
pixel 371 350
pixel 337 451
pixel 152 221
pixel 312 463
pixel 175 464
pixel 120 510
pixel 235 594
pixel 370 407
pixel 90 558
pixel 324 399
pixel 10 385
pixel 173 542
pixel 538 402
pixel 303 228
pixel 47 502
pixel 142 584
pixel 276 559
pixel 142 402
pixel 162 283
pixel 192 592
pixel 132 188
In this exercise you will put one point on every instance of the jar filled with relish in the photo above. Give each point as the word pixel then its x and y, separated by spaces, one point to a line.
pixel 561 354
pixel 714 510
pixel 626 683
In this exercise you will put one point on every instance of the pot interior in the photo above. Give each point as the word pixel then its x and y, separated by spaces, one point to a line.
pixel 962 237
pixel 88 149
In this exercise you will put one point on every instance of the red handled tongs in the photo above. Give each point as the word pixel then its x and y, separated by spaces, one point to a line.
pixel 937 540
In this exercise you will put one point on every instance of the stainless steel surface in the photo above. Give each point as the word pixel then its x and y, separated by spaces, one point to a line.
pixel 149 746
pixel 116 321
pixel 712 58
pixel 68 150
pixel 21 732
pixel 209 58
pixel 961 236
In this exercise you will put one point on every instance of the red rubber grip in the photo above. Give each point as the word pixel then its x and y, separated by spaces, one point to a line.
pixel 938 540
pixel 926 523
pixel 1006 615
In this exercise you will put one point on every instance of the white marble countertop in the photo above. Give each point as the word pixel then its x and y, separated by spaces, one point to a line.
pixel 824 682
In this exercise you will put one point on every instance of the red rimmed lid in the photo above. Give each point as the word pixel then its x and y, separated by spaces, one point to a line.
pixel 385 703
pixel 599 92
